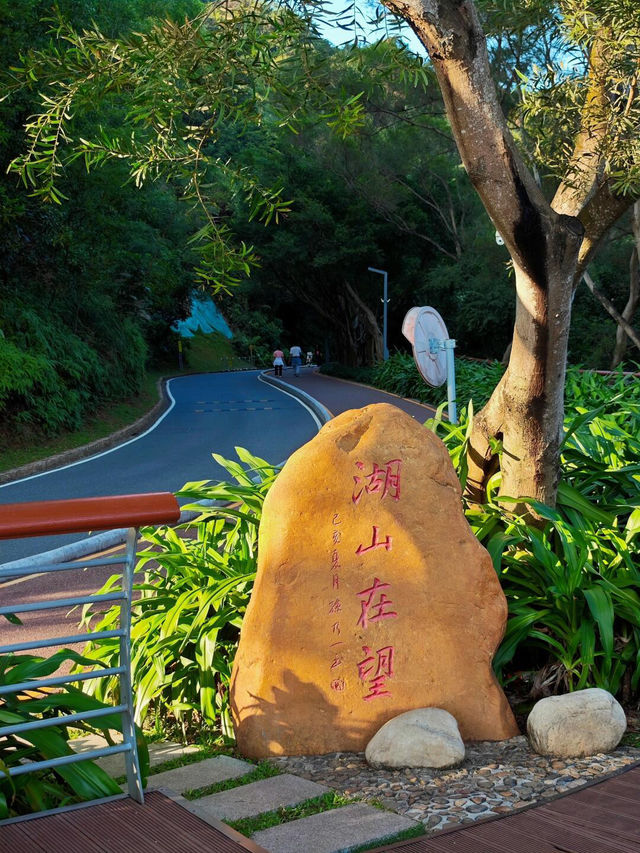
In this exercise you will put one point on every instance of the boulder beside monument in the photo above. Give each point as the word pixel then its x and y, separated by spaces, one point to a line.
pixel 372 598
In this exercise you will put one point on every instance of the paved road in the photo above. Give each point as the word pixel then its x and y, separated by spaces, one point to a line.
pixel 211 413
pixel 337 395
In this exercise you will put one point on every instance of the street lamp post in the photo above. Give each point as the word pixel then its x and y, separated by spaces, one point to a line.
pixel 385 351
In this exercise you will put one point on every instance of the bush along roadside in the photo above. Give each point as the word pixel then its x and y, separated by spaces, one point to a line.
pixel 475 381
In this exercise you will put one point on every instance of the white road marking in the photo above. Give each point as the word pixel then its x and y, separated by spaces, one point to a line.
pixel 104 452
pixel 297 399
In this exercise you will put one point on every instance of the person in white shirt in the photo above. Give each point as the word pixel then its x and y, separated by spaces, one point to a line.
pixel 296 359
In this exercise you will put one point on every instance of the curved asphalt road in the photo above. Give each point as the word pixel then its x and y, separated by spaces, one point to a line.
pixel 213 412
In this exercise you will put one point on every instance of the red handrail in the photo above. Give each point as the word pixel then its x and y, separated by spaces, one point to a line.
pixel 81 515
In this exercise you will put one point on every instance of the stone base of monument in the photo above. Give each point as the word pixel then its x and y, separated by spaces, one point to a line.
pixel 426 737
pixel 372 597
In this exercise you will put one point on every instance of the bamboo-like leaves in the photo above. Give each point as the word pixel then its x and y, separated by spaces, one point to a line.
pixel 195 587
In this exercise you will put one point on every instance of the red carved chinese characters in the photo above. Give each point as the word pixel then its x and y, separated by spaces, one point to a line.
pixel 375 542
pixel 373 611
pixel 385 480
pixel 376 670
pixel 334 607
pixel 377 667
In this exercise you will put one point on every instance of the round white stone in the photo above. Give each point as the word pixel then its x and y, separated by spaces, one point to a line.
pixel 425 737
pixel 586 722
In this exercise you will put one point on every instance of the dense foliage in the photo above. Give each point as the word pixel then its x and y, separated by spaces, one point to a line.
pixel 197 579
pixel 88 288
pixel 571 581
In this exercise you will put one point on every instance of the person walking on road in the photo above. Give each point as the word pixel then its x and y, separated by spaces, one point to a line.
pixel 278 362
pixel 296 359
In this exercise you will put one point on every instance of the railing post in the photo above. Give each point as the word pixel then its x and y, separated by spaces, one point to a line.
pixel 76 515
pixel 134 780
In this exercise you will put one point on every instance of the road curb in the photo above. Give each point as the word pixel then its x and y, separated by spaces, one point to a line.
pixel 87 450
pixel 322 413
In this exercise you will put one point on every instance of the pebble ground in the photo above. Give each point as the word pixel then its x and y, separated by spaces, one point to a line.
pixel 494 779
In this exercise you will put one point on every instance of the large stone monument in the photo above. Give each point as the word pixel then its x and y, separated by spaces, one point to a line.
pixel 372 597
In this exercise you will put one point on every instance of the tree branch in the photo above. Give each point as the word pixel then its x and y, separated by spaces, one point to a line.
pixel 582 175
pixel 610 309
pixel 451 32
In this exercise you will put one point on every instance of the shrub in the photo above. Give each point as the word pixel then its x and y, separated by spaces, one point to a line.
pixel 196 584
pixel 571 584
pixel 50 378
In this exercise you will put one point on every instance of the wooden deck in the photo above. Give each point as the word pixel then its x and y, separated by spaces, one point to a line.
pixel 123 826
pixel 602 818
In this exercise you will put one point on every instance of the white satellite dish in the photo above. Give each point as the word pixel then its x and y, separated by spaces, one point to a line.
pixel 421 327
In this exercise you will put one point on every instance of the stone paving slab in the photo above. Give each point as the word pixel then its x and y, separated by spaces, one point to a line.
pixel 256 798
pixel 199 775
pixel 114 764
pixel 335 831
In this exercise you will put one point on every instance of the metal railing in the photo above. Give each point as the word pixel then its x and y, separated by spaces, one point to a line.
pixel 71 516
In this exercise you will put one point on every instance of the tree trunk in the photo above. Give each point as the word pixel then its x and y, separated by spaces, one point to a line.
pixel 526 410
pixel 361 336
pixel 550 244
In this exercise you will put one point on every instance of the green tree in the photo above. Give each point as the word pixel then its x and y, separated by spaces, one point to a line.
pixel 580 120
pixel 195 94
pixel 83 286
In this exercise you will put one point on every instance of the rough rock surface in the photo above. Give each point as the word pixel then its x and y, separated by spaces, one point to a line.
pixel 372 598
pixel 426 737
pixel 586 722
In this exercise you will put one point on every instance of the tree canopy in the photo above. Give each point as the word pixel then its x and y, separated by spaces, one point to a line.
pixel 250 117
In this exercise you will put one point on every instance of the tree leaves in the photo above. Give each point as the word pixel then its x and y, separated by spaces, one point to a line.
pixel 196 586
pixel 183 84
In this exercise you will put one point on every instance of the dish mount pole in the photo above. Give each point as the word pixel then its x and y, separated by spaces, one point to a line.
pixel 448 345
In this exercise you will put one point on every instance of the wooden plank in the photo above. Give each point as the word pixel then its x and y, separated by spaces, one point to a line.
pixel 612 803
pixel 14 838
pixel 539 823
pixel 54 835
pixel 601 820
pixel 123 826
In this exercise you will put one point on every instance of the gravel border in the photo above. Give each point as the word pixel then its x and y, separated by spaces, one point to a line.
pixel 495 778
